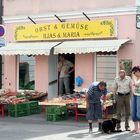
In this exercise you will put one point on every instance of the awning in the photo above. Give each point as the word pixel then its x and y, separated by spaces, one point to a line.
pixel 34 48
pixel 89 46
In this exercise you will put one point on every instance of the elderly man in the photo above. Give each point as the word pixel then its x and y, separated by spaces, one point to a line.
pixel 123 89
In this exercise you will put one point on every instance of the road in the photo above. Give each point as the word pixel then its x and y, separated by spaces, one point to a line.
pixel 36 127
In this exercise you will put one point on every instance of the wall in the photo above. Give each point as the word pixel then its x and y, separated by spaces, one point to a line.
pixel 41 73
pixel 127 29
pixel 137 48
pixel 138 2
pixel 84 68
pixel 10 73
pixel 23 7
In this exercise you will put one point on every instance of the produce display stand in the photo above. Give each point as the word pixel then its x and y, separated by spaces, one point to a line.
pixel 83 107
pixel 76 108
pixel 77 113
pixel 51 104
pixel 8 98
pixel 70 106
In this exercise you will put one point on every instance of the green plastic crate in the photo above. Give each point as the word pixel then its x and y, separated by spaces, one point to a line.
pixel 19 113
pixel 18 107
pixel 33 104
pixel 35 110
pixel 58 110
pixel 54 117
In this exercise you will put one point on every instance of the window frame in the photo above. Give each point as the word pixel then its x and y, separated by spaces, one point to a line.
pixel 95 65
pixel 17 65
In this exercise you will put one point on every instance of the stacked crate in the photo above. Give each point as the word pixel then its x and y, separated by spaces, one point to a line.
pixel 24 109
pixel 34 107
pixel 56 113
pixel 19 110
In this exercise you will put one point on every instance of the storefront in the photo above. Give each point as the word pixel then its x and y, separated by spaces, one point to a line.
pixel 99 47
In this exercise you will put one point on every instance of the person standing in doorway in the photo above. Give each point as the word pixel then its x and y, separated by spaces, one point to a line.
pixel 65 68
pixel 122 90
pixel 136 100
pixel 93 103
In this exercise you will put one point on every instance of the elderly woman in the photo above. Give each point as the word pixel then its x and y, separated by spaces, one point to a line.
pixel 136 100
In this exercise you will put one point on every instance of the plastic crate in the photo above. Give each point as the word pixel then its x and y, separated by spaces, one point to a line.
pixel 18 107
pixel 33 104
pixel 54 117
pixel 19 113
pixel 35 110
pixel 58 110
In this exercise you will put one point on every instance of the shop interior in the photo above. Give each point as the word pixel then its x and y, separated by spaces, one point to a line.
pixel 71 58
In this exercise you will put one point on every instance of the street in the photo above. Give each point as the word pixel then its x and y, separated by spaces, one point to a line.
pixel 35 127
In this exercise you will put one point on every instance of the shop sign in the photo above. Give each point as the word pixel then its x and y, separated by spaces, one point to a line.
pixel 66 31
pixel 138 21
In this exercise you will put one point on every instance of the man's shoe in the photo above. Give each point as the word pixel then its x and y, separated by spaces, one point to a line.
pixel 119 130
pixel 100 127
pixel 127 129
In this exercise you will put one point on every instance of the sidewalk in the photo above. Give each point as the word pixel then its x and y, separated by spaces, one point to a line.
pixel 35 127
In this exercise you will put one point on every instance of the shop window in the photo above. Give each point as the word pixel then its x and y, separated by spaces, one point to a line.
pixel 106 66
pixel 26 72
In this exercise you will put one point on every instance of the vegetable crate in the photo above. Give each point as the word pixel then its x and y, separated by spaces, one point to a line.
pixel 34 107
pixel 55 117
pixel 24 109
pixel 18 107
pixel 33 104
pixel 19 113
pixel 57 110
pixel 36 110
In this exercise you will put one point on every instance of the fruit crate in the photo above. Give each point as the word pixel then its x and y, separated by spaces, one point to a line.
pixel 19 113
pixel 36 110
pixel 58 110
pixel 18 107
pixel 54 117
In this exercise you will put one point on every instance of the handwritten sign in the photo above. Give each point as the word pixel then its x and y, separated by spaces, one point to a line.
pixel 66 31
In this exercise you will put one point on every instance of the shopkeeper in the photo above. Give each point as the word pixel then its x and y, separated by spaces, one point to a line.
pixel 93 102
pixel 65 68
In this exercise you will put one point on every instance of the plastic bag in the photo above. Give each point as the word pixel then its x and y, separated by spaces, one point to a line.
pixel 79 81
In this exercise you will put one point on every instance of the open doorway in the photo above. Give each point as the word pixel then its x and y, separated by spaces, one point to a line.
pixel 71 59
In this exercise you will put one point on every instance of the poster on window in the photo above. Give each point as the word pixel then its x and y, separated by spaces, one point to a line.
pixel 126 64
